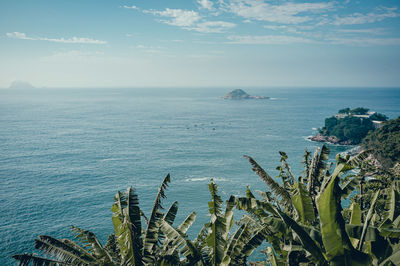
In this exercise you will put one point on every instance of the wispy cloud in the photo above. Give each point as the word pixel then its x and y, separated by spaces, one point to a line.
pixel 286 13
pixel 267 39
pixel 178 17
pixel 358 18
pixel 190 20
pixel 365 41
pixel 213 26
pixel 73 40
pixel 131 7
pixel 374 31
pixel 149 49
pixel 206 4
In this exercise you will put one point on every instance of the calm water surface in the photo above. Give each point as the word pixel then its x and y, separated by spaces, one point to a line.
pixel 65 152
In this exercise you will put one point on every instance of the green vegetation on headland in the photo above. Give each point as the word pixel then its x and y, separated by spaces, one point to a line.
pixel 349 127
pixel 301 217
pixel 384 142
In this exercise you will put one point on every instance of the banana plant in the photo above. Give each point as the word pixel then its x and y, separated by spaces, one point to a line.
pixel 130 244
pixel 216 244
pixel 304 218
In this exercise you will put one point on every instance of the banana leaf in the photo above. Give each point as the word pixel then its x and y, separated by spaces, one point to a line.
pixel 303 204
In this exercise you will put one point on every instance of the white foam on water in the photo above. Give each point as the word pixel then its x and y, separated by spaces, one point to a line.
pixel 200 179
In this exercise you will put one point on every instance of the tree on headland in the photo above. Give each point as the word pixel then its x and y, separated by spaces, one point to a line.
pixel 385 143
pixel 351 126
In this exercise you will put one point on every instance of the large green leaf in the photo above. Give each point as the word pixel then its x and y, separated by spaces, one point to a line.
pixel 392 205
pixel 217 227
pixel 170 215
pixel 90 240
pixel 153 226
pixel 274 186
pixel 179 241
pixel 303 204
pixel 333 231
pixel 25 259
pixel 317 169
pixel 62 251
pixel 230 204
pixel 306 241
pixel 184 226
pixel 122 229
pixel 350 185
pixel 368 219
pixel 356 214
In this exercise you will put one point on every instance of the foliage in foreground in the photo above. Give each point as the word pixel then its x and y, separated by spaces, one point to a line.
pixel 301 218
pixel 158 243
pixel 307 223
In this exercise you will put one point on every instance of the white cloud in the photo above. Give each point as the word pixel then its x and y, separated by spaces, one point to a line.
pixel 131 7
pixel 267 39
pixel 365 41
pixel 286 13
pixel 206 4
pixel 191 20
pixel 358 18
pixel 375 31
pixel 73 40
pixel 213 26
pixel 18 35
pixel 179 17
pixel 275 27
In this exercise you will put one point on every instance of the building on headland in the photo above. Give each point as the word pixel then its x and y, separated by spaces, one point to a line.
pixel 376 123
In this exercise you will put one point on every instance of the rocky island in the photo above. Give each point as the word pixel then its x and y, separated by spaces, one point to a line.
pixel 241 95
pixel 21 85
pixel 349 127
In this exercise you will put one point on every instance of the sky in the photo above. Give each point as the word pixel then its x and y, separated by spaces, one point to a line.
pixel 200 43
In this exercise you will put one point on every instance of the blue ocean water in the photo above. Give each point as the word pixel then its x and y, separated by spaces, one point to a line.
pixel 64 153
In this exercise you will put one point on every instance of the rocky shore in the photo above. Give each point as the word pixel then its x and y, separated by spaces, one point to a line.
pixel 330 139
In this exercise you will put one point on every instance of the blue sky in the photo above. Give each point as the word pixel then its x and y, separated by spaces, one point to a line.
pixel 199 43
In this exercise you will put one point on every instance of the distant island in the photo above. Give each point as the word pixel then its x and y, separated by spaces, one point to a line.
pixel 349 127
pixel 21 85
pixel 241 95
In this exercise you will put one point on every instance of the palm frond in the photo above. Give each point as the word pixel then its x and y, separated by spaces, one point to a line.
pixel 26 259
pixel 88 239
pixel 134 222
pixel 62 251
pixel 317 168
pixel 170 215
pixel 230 204
pixel 215 205
pixel 179 242
pixel 185 225
pixel 153 226
pixel 123 229
pixel 274 186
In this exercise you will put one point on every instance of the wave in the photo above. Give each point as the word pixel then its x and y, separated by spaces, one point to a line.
pixel 200 179
pixel 110 159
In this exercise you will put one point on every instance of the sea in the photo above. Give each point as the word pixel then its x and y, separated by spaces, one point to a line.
pixel 64 153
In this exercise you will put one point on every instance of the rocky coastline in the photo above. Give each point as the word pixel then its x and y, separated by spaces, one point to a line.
pixel 330 139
